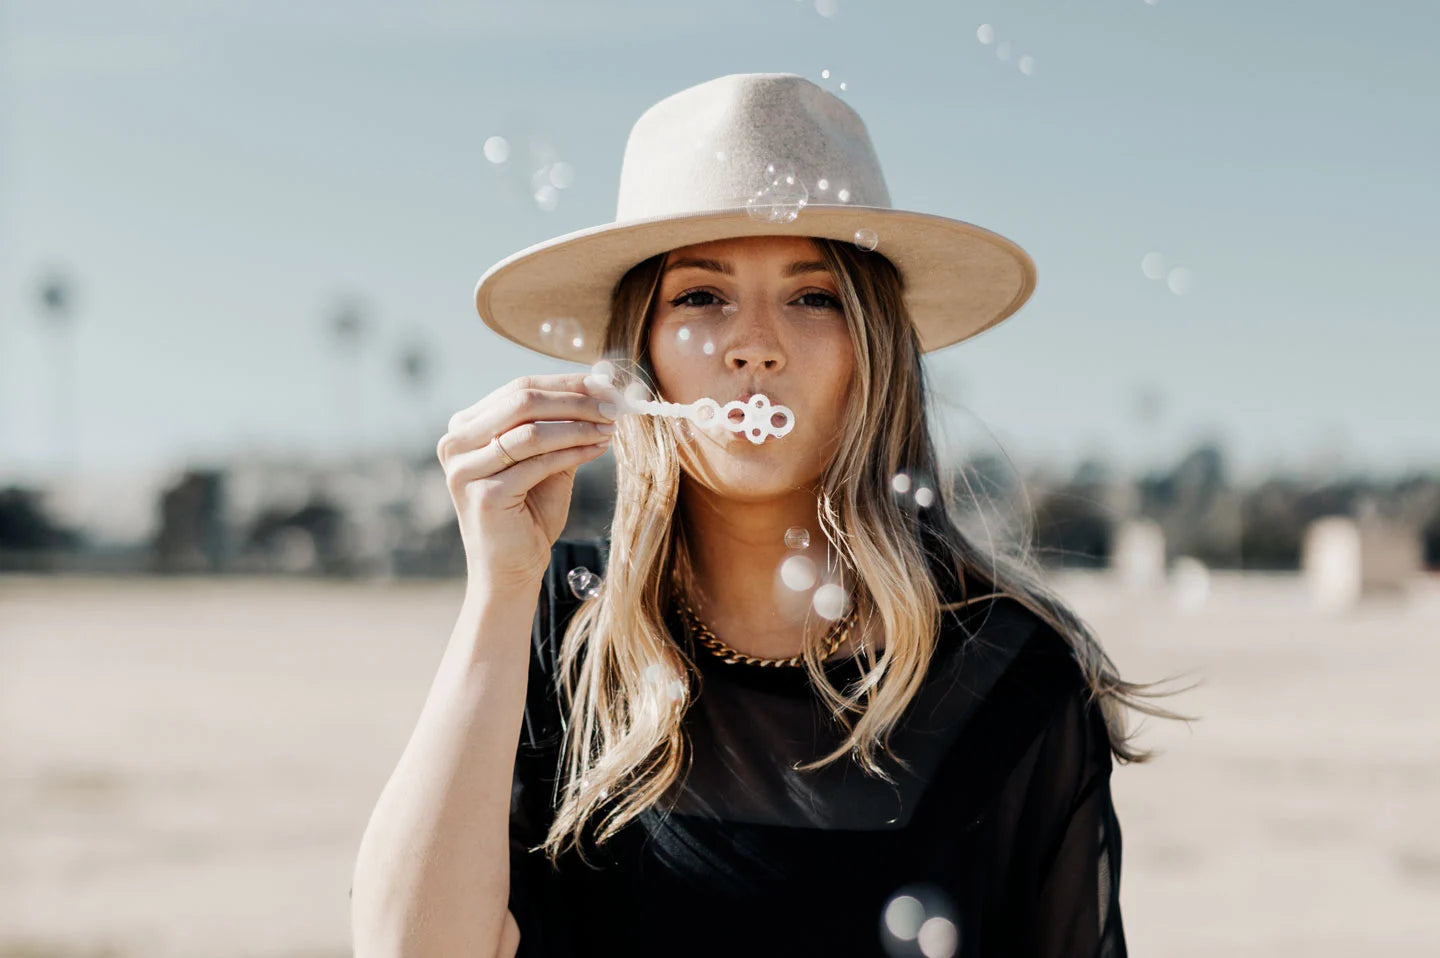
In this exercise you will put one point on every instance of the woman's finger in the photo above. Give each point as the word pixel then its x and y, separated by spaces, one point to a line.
pixel 567 383
pixel 512 484
pixel 527 441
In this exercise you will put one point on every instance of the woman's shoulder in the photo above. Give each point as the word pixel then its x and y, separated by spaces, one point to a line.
pixel 1027 671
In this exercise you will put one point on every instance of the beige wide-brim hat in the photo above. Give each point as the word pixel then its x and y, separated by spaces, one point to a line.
pixel 757 154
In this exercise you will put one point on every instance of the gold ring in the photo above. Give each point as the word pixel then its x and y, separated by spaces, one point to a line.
pixel 504 456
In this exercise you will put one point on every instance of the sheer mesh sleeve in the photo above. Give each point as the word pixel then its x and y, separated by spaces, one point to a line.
pixel 1076 910
pixel 533 894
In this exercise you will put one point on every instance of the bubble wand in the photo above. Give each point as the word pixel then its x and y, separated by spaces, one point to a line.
pixel 757 415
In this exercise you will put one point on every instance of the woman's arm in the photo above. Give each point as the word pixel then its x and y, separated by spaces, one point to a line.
pixel 432 874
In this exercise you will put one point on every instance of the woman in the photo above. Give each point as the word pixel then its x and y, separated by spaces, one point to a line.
pixel 797 711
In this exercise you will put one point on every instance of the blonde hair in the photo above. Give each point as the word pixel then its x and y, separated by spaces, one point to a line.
pixel 625 679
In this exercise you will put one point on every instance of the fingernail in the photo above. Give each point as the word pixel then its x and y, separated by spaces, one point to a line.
pixel 605 427
pixel 607 409
pixel 599 382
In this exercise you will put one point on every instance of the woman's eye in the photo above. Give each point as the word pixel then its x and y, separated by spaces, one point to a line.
pixel 699 298
pixel 819 301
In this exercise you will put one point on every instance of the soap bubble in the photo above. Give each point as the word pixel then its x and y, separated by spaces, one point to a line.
pixel 1180 280
pixel 782 197
pixel 583 583
pixel 497 149
pixel 605 369
pixel 824 74
pixel 843 196
pixel 797 537
pixel 924 497
pixel 1153 265
pixel 843 86
pixel 547 198
pixel 637 391
pixel 683 334
pixel 922 916
pixel 708 349
pixel 798 573
pixel 563 334
pixel 561 175
pixel 938 937
pixel 903 917
pixel 831 601
pixel 827 8
pixel 900 482
pixel 822 184
pixel 1027 65
pixel 986 34
pixel 866 239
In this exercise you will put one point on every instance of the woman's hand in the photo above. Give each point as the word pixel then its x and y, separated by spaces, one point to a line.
pixel 511 513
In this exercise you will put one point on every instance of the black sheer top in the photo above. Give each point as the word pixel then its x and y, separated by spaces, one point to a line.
pixel 1001 839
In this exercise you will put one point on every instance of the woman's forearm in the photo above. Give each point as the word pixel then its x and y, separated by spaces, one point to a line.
pixel 432 873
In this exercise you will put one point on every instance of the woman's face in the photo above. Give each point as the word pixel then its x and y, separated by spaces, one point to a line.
pixel 754 315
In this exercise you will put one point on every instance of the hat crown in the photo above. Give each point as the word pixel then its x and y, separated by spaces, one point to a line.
pixel 717 145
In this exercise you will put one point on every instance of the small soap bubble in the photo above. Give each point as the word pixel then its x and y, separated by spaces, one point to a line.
pixel 637 392
pixel 604 369
pixel 986 34
pixel 843 196
pixel 798 573
pixel 569 335
pixel 843 86
pixel 830 601
pixel 547 198
pixel 561 175
pixel 938 937
pixel 497 149
pixel 824 74
pixel 924 497
pixel 923 916
pixel 797 537
pixel 781 198
pixel 583 583
pixel 1153 265
pixel 866 239
pixel 903 917
pixel 822 184
pixel 1180 280
pixel 900 482
pixel 708 349
pixel 1027 65
pixel 683 334
pixel 827 8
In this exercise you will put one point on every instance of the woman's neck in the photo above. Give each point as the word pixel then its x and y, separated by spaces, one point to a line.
pixel 735 552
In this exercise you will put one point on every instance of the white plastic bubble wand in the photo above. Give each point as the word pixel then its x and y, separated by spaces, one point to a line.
pixel 757 415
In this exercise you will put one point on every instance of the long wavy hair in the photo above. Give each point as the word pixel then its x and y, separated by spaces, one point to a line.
pixel 626 680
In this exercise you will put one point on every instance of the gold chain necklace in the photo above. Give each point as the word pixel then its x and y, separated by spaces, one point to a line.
pixel 838 632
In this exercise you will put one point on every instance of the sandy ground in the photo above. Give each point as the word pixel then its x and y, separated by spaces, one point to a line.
pixel 186 767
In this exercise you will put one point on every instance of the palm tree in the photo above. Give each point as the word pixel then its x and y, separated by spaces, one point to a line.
pixel 57 297
pixel 349 328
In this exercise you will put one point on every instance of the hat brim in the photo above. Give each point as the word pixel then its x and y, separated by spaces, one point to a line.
pixel 960 279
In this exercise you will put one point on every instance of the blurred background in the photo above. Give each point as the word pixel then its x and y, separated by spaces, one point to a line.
pixel 238 245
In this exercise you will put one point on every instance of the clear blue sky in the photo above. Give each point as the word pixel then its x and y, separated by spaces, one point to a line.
pixel 215 174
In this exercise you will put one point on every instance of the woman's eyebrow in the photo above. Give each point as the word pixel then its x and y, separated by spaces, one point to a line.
pixel 801 268
pixel 713 265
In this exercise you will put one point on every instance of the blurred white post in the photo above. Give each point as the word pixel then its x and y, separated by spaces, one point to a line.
pixel 1345 560
pixel 1138 556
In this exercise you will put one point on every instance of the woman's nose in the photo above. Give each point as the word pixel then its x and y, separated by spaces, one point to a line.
pixel 753 343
